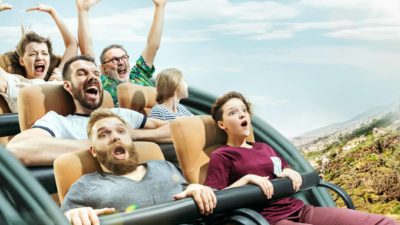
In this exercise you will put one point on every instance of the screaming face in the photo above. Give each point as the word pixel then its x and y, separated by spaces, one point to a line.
pixel 113 146
pixel 36 60
pixel 116 64
pixel 86 86
pixel 235 119
pixel 119 159
pixel 91 97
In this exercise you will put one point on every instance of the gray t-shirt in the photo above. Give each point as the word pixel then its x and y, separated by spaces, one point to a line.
pixel 99 190
pixel 74 126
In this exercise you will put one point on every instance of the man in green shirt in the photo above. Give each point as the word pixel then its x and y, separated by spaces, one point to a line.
pixel 114 59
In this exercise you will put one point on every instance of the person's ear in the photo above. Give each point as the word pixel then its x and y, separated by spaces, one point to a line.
pixel 21 61
pixel 92 150
pixel 67 86
pixel 221 125
pixel 102 68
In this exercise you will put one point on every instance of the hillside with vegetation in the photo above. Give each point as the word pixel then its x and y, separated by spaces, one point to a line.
pixel 364 160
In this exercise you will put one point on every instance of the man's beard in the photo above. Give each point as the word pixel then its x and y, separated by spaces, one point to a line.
pixel 119 167
pixel 77 94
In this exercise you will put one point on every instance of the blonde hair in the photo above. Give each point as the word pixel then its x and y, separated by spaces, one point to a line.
pixel 167 82
pixel 99 114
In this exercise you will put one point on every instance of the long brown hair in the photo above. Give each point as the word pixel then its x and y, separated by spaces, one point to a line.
pixel 216 108
pixel 10 60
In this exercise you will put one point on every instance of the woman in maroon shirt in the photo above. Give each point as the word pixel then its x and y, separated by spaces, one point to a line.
pixel 239 163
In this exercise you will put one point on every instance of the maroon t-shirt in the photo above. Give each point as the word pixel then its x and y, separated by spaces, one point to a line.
pixel 228 164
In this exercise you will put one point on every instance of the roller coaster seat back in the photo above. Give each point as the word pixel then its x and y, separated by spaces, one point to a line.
pixel 69 167
pixel 195 138
pixel 36 100
pixel 136 97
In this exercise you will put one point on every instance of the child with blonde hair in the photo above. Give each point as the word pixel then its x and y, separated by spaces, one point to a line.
pixel 171 88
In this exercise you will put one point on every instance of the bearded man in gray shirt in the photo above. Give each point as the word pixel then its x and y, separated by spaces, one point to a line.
pixel 123 181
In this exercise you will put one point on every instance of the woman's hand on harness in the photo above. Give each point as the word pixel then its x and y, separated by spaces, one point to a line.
pixel 294 176
pixel 263 182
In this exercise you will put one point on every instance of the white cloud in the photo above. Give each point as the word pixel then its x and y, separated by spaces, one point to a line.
pixel 386 7
pixel 253 20
pixel 226 10
pixel 241 28
pixel 345 4
pixel 256 11
pixel 323 25
pixel 383 64
pixel 368 33
pixel 249 19
pixel 375 20
pixel 276 34
pixel 367 17
pixel 10 35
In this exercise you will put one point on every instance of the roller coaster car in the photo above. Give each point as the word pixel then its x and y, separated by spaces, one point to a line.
pixel 24 200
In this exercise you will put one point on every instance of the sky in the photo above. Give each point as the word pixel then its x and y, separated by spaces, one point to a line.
pixel 303 64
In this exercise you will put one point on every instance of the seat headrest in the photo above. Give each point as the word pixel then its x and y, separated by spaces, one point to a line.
pixel 195 138
pixel 136 97
pixel 68 168
pixel 36 100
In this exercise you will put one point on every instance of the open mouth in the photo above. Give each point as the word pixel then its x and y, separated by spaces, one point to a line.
pixel 119 152
pixel 92 92
pixel 121 71
pixel 244 124
pixel 39 69
pixel 92 88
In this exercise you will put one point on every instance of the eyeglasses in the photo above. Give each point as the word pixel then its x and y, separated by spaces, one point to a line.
pixel 115 60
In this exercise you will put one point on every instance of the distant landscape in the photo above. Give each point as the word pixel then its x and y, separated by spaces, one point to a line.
pixel 362 156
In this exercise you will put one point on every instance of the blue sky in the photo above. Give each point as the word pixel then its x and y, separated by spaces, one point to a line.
pixel 304 64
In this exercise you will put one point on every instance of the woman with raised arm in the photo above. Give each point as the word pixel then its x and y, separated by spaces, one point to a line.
pixel 33 60
pixel 239 163
pixel 171 88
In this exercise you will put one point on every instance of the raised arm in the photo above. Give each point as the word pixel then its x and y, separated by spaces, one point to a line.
pixel 13 81
pixel 4 6
pixel 155 130
pixel 154 36
pixel 84 35
pixel 71 45
pixel 36 147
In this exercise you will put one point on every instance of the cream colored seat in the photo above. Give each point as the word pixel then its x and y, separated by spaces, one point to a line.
pixel 36 100
pixel 69 167
pixel 195 138
pixel 3 110
pixel 136 97
pixel 4 106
